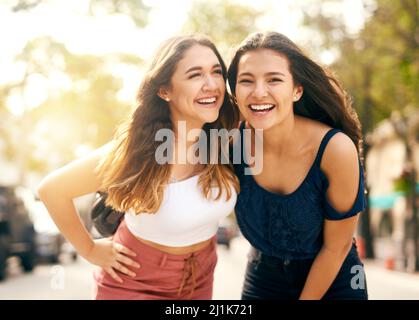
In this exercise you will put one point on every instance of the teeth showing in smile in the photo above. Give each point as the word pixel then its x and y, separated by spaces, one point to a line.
pixel 207 100
pixel 261 107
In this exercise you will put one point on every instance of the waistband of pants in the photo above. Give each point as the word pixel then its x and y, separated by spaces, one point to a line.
pixel 259 256
pixel 155 256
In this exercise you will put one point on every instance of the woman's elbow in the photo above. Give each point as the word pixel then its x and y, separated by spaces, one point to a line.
pixel 340 250
pixel 43 188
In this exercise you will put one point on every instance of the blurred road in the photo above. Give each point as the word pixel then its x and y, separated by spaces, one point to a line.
pixel 74 280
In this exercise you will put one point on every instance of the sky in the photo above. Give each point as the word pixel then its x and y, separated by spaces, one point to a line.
pixel 67 22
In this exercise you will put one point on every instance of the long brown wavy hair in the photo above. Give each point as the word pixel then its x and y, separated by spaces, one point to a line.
pixel 323 97
pixel 130 173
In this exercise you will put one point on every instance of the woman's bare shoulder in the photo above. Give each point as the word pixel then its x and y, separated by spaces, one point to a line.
pixel 314 131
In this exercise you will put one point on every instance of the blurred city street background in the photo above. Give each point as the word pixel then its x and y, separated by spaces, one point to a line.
pixel 69 75
pixel 73 280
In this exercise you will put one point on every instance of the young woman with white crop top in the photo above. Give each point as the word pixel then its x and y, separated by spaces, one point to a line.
pixel 165 246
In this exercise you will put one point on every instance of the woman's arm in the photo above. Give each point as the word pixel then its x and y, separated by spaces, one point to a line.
pixel 57 191
pixel 341 166
pixel 337 243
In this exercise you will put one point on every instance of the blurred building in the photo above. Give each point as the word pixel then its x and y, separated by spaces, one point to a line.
pixel 386 166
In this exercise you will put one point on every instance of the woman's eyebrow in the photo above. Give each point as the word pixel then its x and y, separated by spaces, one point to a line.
pixel 198 68
pixel 277 73
pixel 245 74
pixel 273 73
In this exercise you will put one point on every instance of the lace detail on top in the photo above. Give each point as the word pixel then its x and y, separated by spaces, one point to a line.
pixel 290 226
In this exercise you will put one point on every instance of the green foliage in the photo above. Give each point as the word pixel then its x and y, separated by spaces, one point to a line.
pixel 135 9
pixel 379 67
pixel 24 5
pixel 227 23
pixel 83 112
pixel 86 113
pixel 402 184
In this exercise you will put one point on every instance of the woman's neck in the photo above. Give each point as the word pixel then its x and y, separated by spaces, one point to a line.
pixel 281 136
pixel 186 134
pixel 186 131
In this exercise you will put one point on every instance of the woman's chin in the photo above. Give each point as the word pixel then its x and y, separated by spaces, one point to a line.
pixel 263 124
pixel 210 117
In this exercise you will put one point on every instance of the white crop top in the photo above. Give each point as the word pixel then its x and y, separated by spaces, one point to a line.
pixel 185 216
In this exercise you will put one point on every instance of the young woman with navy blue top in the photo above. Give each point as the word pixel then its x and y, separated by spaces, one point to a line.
pixel 301 211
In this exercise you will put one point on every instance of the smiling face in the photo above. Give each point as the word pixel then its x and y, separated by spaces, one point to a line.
pixel 265 90
pixel 197 87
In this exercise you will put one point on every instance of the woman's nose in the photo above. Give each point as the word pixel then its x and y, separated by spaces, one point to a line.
pixel 210 83
pixel 260 90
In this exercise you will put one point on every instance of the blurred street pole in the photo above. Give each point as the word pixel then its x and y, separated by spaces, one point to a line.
pixel 366 120
pixel 413 199
pixel 365 224
pixel 413 179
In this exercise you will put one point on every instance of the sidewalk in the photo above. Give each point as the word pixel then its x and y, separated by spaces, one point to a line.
pixel 382 284
pixel 386 284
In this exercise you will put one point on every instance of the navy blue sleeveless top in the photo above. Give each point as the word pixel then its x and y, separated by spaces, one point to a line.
pixel 289 226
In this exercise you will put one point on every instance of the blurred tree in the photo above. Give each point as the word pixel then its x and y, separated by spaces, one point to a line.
pixel 379 67
pixel 135 9
pixel 226 22
pixel 21 5
pixel 81 105
pixel 82 109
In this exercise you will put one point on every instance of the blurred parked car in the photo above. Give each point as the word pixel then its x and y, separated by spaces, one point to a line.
pixel 227 230
pixel 50 244
pixel 17 233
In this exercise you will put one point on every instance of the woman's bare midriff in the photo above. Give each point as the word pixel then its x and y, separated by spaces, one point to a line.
pixel 177 250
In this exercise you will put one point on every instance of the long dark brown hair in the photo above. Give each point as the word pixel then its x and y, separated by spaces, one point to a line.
pixel 130 173
pixel 323 98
